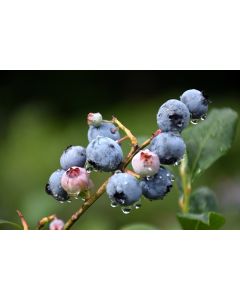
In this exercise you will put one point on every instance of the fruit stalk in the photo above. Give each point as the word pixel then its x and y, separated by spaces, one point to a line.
pixel 186 186
pixel 24 222
pixel 45 220
pixel 87 203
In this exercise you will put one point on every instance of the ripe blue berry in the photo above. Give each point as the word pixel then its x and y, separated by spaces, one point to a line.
pixel 196 102
pixel 123 189
pixel 173 115
pixel 105 129
pixel 73 156
pixel 104 154
pixel 169 147
pixel 158 186
pixel 54 188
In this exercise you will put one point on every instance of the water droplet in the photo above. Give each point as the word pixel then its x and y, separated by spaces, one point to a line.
pixel 149 177
pixel 172 178
pixel 61 202
pixel 117 172
pixel 161 176
pixel 194 121
pixel 126 209
pixel 69 201
pixel 203 117
pixel 114 204
pixel 178 163
pixel 138 204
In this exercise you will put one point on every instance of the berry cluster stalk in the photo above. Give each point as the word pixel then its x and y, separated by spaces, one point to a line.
pixel 186 186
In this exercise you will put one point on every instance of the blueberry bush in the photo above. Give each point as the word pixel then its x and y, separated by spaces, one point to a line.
pixel 185 144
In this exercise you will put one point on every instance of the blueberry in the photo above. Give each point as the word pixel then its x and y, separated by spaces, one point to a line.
pixel 54 188
pixel 123 189
pixel 56 224
pixel 158 186
pixel 104 154
pixel 73 156
pixel 196 102
pixel 105 129
pixel 173 115
pixel 169 147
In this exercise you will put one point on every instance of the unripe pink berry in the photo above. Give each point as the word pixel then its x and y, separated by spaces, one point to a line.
pixel 76 180
pixel 94 119
pixel 56 224
pixel 146 163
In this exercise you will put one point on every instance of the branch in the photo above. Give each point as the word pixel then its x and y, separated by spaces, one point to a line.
pixel 24 222
pixel 132 138
pixel 88 202
pixel 45 220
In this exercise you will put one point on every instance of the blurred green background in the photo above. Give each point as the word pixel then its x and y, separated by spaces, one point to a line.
pixel 42 112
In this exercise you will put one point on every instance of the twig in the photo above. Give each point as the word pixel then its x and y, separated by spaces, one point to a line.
pixel 186 186
pixel 24 222
pixel 45 220
pixel 133 173
pixel 88 202
pixel 132 138
pixel 122 139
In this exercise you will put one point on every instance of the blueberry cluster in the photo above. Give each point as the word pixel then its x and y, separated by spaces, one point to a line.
pixel 149 177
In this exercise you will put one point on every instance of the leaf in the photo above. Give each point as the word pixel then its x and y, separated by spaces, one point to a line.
pixel 210 139
pixel 5 222
pixel 138 226
pixel 207 221
pixel 202 200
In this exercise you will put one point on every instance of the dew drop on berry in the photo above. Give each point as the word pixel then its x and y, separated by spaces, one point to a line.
pixel 203 117
pixel 117 172
pixel 126 209
pixel 178 163
pixel 194 121
pixel 114 204
pixel 138 204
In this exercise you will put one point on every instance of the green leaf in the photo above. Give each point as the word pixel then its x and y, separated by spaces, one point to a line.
pixel 207 221
pixel 5 222
pixel 210 139
pixel 202 200
pixel 139 226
